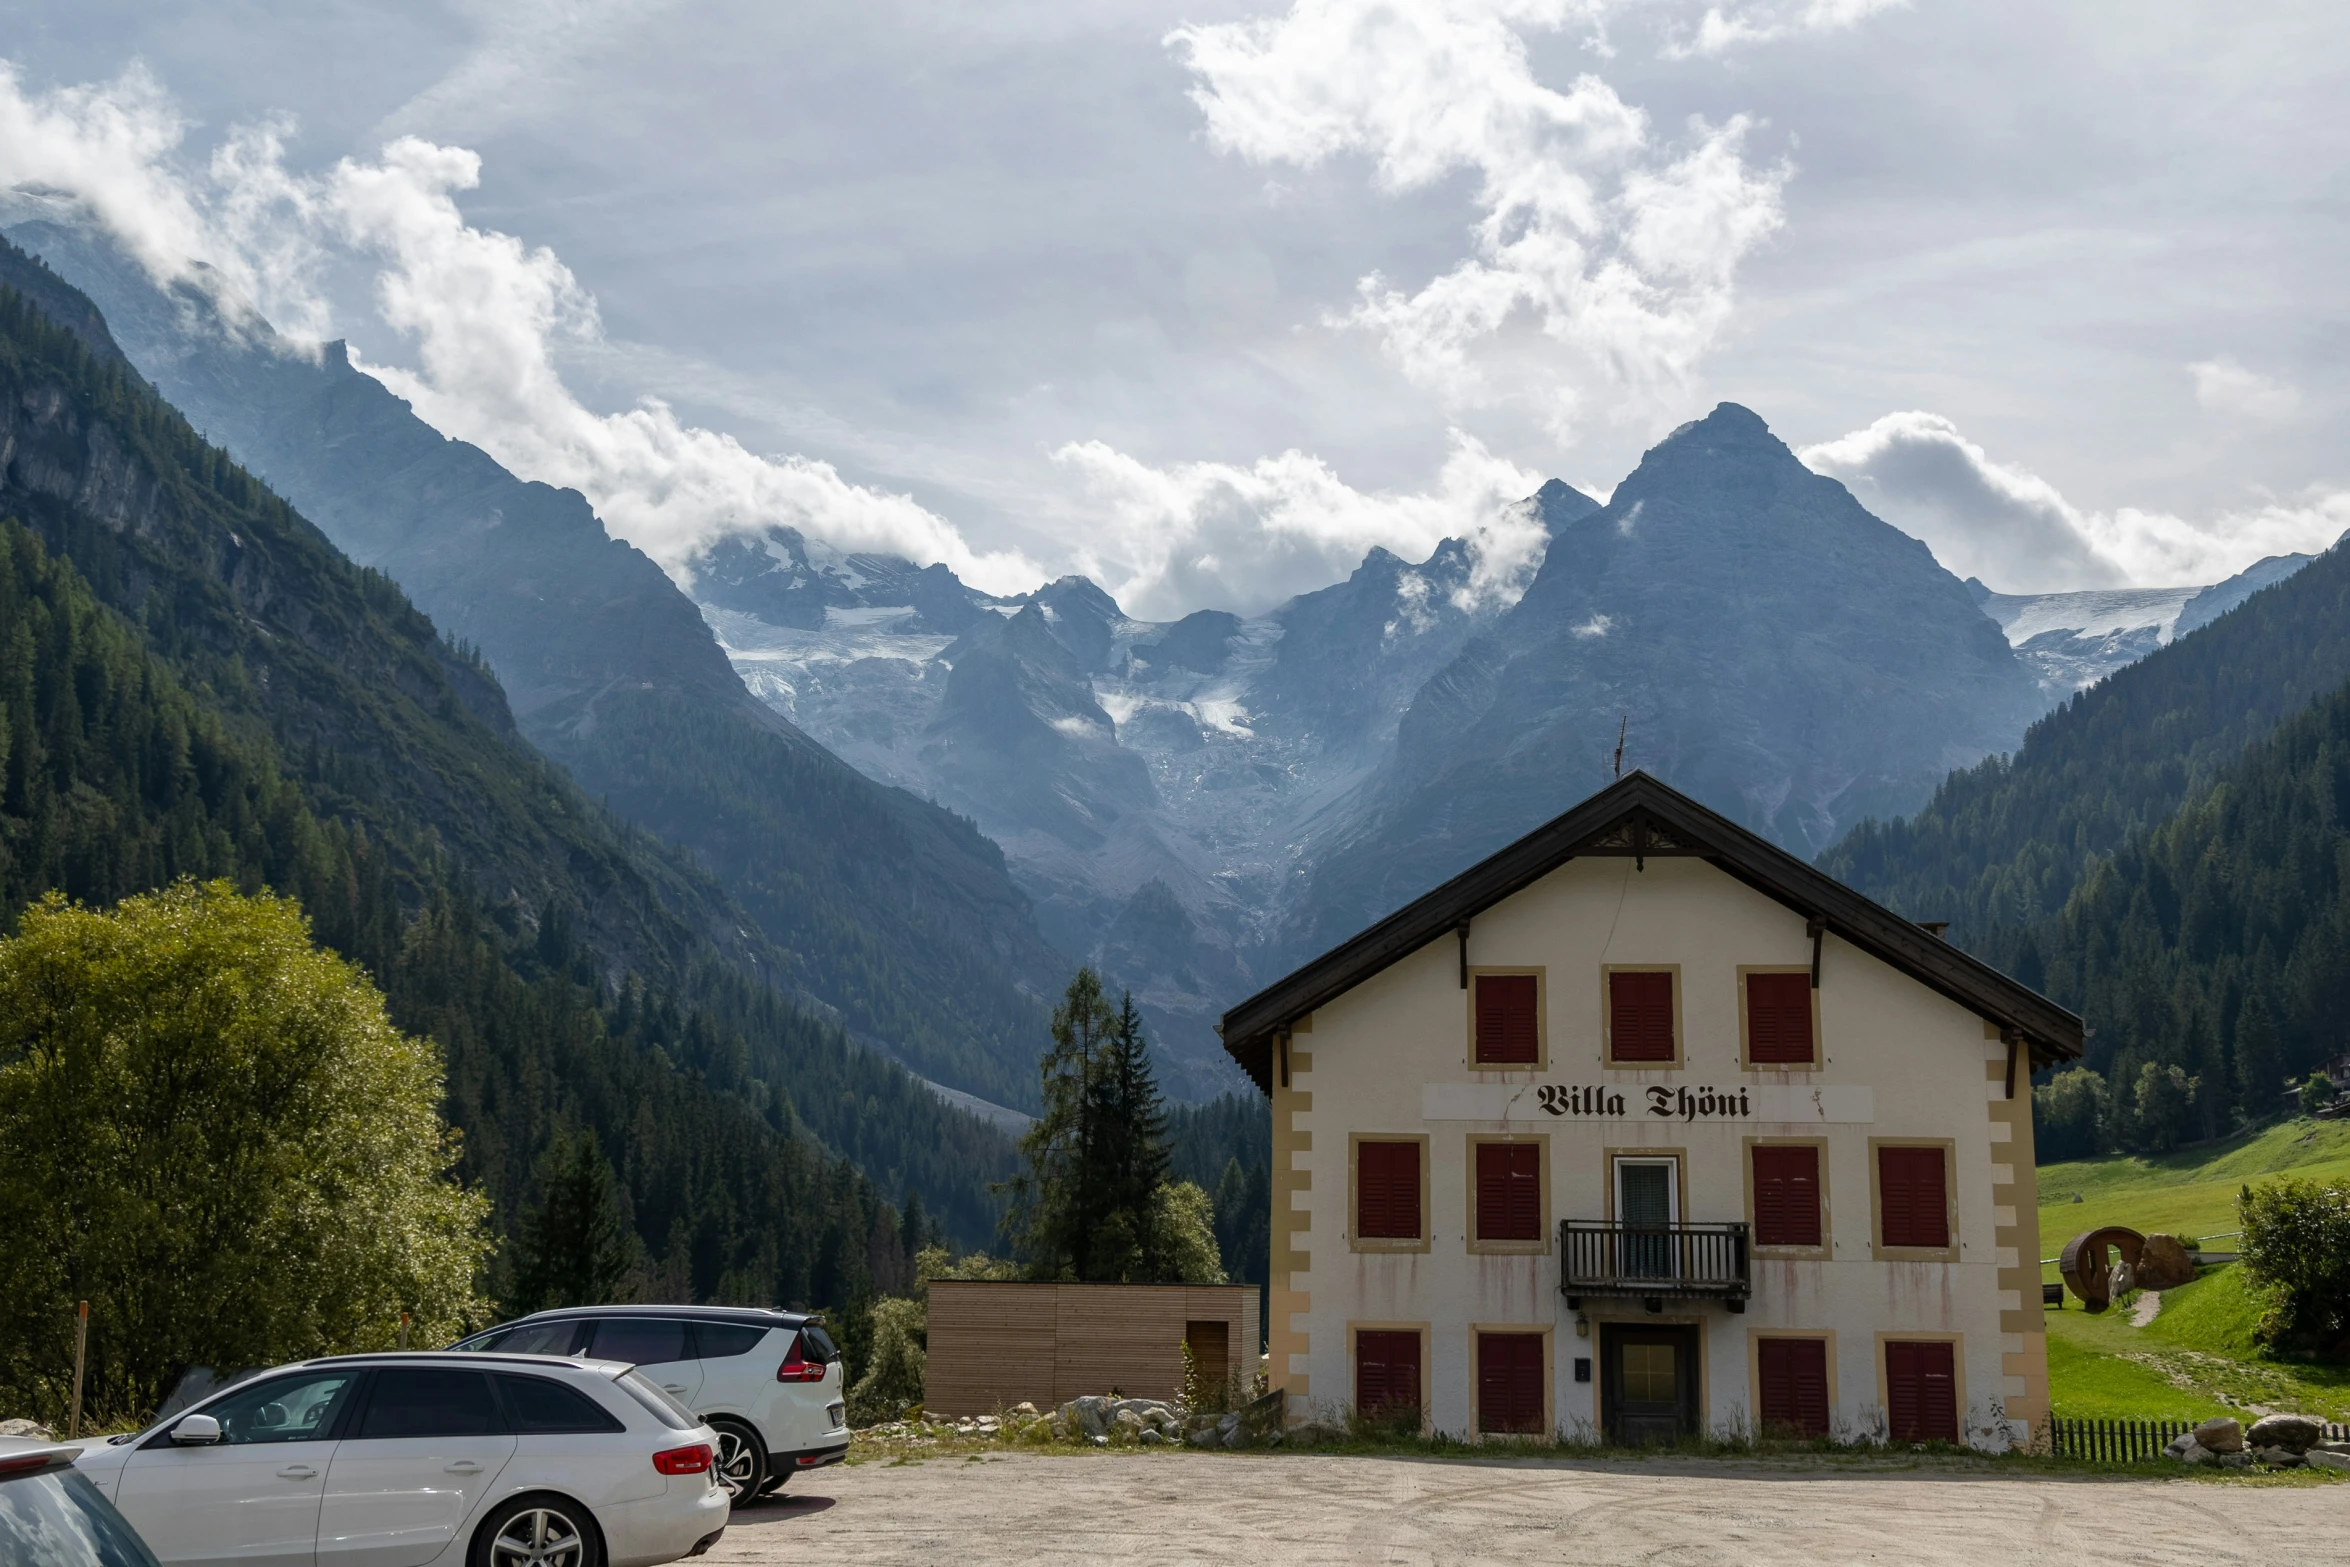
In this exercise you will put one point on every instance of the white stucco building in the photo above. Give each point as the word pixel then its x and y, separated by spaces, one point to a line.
pixel 1644 1126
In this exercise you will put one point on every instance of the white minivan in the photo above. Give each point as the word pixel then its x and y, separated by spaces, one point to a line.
pixel 422 1460
pixel 768 1382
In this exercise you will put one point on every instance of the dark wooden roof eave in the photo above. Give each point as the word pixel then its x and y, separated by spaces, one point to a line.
pixel 1640 816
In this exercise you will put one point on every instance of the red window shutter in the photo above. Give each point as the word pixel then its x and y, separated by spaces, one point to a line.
pixel 1912 1198
pixel 1505 1020
pixel 1640 1016
pixel 1509 1192
pixel 1921 1391
pixel 1794 1385
pixel 1786 1196
pixel 1387 1371
pixel 1509 1383
pixel 1778 1020
pixel 1387 1191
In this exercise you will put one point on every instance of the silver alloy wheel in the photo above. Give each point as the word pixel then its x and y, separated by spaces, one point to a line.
pixel 538 1537
pixel 738 1466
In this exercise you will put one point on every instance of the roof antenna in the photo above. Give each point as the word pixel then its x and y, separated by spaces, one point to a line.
pixel 1620 732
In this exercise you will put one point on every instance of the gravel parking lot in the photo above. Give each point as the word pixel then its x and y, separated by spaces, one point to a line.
pixel 1184 1507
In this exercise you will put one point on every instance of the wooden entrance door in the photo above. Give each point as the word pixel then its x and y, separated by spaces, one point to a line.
pixel 1210 1344
pixel 1648 1383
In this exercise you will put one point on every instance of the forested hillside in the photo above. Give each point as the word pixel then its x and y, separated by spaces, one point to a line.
pixel 195 683
pixel 2006 842
pixel 2218 942
pixel 882 909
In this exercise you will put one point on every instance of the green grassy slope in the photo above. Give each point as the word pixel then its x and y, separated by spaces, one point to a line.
pixel 2189 1193
pixel 2197 1357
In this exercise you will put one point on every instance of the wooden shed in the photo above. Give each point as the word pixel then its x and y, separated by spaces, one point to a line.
pixel 996 1345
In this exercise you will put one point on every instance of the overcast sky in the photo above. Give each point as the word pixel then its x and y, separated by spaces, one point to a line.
pixel 1206 298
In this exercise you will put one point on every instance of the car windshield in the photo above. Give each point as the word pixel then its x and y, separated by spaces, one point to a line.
pixel 665 1409
pixel 58 1519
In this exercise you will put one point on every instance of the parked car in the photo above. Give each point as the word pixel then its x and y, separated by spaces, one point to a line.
pixel 422 1460
pixel 50 1516
pixel 768 1382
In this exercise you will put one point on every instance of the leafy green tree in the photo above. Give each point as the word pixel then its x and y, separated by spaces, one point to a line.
pixel 214 1135
pixel 2317 1091
pixel 2297 1245
pixel 2162 1103
pixel 1185 1240
pixel 577 1245
pixel 2069 1115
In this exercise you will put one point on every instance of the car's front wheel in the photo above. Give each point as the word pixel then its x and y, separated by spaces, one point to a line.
pixel 538 1531
pixel 742 1461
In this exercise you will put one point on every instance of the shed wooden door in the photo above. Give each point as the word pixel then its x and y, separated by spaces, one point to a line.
pixel 1210 1344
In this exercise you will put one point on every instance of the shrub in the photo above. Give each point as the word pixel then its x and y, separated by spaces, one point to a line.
pixel 892 1382
pixel 2297 1245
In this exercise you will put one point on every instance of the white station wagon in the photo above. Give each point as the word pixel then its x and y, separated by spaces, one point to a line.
pixel 768 1382
pixel 422 1460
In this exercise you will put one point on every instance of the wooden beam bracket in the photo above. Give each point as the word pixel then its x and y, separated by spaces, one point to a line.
pixel 1816 928
pixel 2015 1045
pixel 1462 930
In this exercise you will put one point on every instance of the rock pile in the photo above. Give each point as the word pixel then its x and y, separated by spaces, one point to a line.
pixel 2277 1441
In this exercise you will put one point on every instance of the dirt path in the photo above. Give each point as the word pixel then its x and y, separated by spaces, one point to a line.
pixel 1182 1507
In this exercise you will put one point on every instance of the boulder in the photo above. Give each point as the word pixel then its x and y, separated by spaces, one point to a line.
pixel 1025 1408
pixel 1205 1436
pixel 1151 1438
pixel 1090 1414
pixel 2322 1458
pixel 2279 1457
pixel 2296 1434
pixel 1235 1437
pixel 32 1428
pixel 1145 1407
pixel 2222 1435
pixel 1126 1423
pixel 2235 1460
pixel 2164 1264
pixel 2187 1450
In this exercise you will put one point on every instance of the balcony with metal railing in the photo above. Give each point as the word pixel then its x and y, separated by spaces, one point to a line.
pixel 1654 1262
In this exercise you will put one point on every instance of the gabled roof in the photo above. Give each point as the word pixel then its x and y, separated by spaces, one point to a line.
pixel 1638 816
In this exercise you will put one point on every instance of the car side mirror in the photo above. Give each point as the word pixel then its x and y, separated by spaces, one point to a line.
pixel 196 1431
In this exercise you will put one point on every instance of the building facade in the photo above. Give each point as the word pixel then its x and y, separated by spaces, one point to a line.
pixel 1643 1128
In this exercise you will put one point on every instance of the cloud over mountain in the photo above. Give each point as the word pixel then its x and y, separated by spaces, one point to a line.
pixel 2016 531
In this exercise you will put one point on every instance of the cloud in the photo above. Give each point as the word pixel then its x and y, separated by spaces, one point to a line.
pixel 1621 247
pixel 1727 27
pixel 2224 386
pixel 485 312
pixel 111 149
pixel 525 49
pixel 2018 533
pixel 1246 538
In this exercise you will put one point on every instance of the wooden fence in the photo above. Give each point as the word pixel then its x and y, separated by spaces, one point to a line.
pixel 2124 1441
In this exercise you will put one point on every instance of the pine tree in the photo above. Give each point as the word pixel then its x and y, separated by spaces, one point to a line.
pixel 1052 1216
pixel 575 1244
pixel 1130 1159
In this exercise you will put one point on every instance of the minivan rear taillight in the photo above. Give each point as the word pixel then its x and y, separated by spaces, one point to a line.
pixel 684 1460
pixel 797 1369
